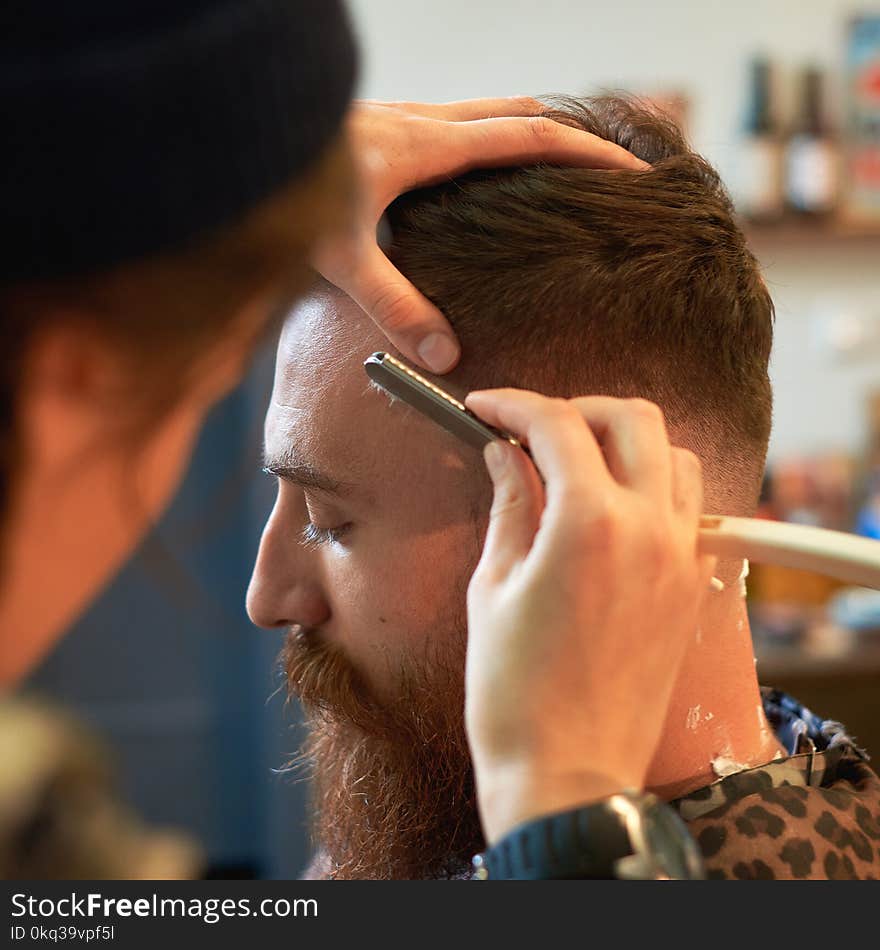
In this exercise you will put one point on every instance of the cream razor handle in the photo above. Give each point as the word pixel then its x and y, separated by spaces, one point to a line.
pixel 846 557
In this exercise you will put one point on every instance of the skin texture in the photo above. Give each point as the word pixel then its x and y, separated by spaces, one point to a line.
pixel 384 591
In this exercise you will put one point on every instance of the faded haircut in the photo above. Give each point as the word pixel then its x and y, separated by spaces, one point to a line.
pixel 573 281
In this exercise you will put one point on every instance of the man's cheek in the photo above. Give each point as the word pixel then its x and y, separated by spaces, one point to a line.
pixel 411 582
pixel 437 592
pixel 371 604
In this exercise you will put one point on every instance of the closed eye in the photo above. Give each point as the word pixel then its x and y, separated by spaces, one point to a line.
pixel 313 536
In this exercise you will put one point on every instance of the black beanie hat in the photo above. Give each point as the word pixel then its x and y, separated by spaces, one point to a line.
pixel 130 127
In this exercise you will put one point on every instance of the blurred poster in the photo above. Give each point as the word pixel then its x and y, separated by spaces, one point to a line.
pixel 862 192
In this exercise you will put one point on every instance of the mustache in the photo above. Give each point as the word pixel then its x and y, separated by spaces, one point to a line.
pixel 325 680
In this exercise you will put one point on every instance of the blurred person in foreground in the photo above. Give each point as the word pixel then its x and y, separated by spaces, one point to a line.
pixel 171 168
pixel 638 289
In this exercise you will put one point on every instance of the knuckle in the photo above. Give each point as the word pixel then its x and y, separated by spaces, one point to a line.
pixel 655 552
pixel 690 460
pixel 646 410
pixel 485 584
pixel 688 480
pixel 563 410
pixel 527 102
pixel 542 131
pixel 689 494
pixel 478 585
pixel 391 307
pixel 507 501
pixel 601 523
pixel 655 543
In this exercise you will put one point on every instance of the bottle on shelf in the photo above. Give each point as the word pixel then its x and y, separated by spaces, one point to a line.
pixel 811 154
pixel 860 204
pixel 759 190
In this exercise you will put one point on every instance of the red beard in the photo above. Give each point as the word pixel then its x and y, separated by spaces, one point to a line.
pixel 392 784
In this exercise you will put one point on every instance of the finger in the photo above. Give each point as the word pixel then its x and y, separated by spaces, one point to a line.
pixel 517 503
pixel 564 450
pixel 409 320
pixel 466 110
pixel 633 437
pixel 509 141
pixel 499 142
pixel 687 478
pixel 630 434
pixel 687 483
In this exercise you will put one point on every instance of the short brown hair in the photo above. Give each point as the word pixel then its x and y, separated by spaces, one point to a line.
pixel 574 281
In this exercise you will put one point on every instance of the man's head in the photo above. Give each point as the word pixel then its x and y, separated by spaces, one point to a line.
pixel 567 281
pixel 573 281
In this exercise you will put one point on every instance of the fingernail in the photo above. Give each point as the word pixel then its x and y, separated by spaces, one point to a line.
pixel 438 352
pixel 496 459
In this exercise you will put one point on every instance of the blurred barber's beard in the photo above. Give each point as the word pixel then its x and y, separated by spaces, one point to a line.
pixel 392 783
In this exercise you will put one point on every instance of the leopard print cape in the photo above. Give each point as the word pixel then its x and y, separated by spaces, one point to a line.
pixel 812 815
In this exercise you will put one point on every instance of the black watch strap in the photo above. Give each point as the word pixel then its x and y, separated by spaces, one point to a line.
pixel 582 843
pixel 627 835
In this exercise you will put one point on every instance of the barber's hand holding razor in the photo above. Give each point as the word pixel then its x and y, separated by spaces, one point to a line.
pixel 582 604
pixel 405 145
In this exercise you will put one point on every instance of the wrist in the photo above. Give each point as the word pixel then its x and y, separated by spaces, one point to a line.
pixel 625 836
pixel 513 794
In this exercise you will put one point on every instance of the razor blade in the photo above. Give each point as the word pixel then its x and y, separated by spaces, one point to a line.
pixel 408 385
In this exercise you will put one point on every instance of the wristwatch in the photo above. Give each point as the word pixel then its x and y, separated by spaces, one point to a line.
pixel 628 836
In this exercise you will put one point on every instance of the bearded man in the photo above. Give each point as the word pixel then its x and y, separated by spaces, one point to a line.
pixel 635 285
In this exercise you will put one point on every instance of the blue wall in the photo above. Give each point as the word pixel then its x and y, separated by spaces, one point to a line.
pixel 167 667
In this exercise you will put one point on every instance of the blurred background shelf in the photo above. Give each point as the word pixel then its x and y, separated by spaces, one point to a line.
pixel 845 686
pixel 776 662
pixel 796 233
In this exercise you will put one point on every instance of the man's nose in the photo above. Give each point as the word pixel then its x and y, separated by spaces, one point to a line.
pixel 283 591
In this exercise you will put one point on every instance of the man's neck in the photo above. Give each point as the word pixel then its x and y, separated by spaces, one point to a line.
pixel 716 723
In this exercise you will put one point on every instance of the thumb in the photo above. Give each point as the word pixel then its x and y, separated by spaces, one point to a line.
pixel 516 509
pixel 410 321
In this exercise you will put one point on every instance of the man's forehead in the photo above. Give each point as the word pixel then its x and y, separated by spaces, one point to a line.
pixel 310 355
pixel 324 404
pixel 325 331
pixel 321 350
pixel 318 404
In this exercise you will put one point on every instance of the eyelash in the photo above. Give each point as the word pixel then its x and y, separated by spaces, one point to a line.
pixel 313 536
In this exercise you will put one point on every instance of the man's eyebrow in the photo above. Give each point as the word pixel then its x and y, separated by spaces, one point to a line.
pixel 291 469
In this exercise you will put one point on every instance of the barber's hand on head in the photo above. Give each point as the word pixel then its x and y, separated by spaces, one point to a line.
pixel 401 146
pixel 583 603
